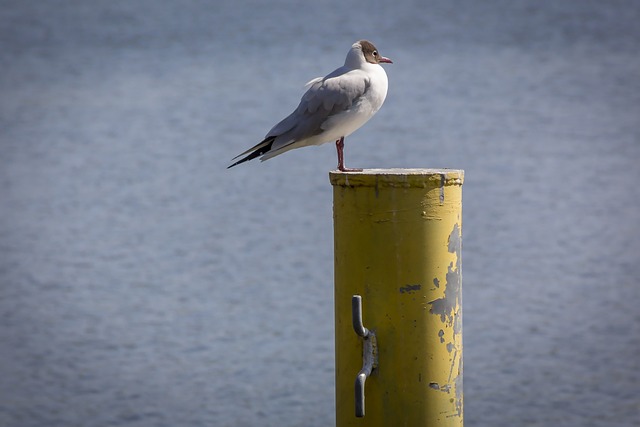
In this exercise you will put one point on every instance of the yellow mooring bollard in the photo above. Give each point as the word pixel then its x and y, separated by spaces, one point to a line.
pixel 398 297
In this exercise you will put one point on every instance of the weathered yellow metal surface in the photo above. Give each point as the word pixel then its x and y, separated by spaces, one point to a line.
pixel 398 244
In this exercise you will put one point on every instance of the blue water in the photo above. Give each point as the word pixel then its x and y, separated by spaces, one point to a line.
pixel 143 284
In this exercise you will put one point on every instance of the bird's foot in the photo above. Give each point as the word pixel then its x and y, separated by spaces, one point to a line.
pixel 340 148
pixel 343 169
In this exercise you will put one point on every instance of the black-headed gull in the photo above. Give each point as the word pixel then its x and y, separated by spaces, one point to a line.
pixel 333 107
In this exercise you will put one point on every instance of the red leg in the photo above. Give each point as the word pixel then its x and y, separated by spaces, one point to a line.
pixel 340 149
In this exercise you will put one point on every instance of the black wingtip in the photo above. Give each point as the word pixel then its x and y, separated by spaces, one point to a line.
pixel 240 161
pixel 260 149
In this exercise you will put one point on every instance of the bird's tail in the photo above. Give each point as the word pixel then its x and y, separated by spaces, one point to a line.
pixel 255 151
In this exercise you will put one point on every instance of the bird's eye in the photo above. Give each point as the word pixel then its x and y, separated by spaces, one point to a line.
pixel 375 53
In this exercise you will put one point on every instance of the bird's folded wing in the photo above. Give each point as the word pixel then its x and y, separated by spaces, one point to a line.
pixel 325 98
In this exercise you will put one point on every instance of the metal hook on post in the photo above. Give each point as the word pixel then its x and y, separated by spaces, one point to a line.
pixel 369 353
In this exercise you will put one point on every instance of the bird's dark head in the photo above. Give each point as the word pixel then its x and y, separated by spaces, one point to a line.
pixel 371 54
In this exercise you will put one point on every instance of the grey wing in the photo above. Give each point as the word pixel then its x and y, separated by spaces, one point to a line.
pixel 326 97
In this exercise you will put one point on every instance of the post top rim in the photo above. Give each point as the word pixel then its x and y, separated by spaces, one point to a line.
pixel 414 177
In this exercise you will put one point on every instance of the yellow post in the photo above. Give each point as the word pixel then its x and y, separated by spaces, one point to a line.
pixel 397 245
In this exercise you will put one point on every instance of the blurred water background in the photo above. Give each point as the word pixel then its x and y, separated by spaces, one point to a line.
pixel 143 284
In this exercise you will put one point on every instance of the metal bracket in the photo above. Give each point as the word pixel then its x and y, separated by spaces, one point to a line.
pixel 369 352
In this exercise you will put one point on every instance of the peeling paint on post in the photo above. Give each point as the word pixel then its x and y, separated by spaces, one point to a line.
pixel 398 245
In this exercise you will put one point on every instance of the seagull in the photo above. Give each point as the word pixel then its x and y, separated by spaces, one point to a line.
pixel 333 107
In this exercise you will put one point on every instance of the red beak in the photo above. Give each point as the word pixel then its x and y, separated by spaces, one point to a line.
pixel 385 60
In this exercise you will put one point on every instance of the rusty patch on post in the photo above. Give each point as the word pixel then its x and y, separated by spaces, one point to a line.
pixel 445 306
pixel 410 289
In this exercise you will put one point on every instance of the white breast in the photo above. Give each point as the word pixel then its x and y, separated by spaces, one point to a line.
pixel 363 108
